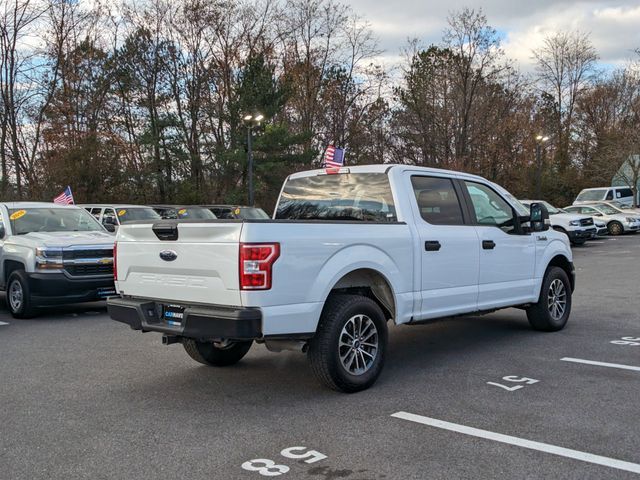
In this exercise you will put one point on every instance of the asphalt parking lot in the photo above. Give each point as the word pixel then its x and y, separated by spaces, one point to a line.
pixel 82 396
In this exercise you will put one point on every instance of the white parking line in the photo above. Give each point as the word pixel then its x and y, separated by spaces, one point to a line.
pixel 601 364
pixel 4 323
pixel 521 442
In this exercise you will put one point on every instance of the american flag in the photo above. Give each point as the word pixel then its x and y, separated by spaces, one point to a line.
pixel 334 157
pixel 65 198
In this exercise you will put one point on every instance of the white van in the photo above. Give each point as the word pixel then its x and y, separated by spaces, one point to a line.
pixel 624 195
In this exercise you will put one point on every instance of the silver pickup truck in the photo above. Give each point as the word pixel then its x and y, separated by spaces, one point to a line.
pixel 52 254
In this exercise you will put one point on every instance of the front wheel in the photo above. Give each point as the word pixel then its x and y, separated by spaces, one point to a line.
pixel 615 228
pixel 552 311
pixel 19 296
pixel 216 354
pixel 348 351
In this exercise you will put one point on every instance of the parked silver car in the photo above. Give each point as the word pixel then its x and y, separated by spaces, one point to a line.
pixel 617 223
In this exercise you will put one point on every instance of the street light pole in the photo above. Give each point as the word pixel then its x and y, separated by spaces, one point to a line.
pixel 250 166
pixel 251 121
pixel 540 139
pixel 538 171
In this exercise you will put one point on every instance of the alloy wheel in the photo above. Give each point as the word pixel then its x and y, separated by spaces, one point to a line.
pixel 358 344
pixel 557 299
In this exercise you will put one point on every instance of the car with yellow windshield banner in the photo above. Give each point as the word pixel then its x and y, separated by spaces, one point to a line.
pixel 52 254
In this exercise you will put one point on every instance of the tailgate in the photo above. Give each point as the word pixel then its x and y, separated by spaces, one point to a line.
pixel 201 266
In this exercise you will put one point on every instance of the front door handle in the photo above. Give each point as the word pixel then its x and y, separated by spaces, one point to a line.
pixel 432 245
pixel 488 244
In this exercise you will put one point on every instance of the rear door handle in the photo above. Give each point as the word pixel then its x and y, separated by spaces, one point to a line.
pixel 488 244
pixel 432 245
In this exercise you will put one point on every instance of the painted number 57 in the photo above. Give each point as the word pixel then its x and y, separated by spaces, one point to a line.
pixel 269 468
pixel 514 379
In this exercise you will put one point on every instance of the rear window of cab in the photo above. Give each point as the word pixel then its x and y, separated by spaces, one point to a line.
pixel 362 197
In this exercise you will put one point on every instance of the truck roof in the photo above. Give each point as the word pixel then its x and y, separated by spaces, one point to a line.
pixel 384 168
pixel 37 205
pixel 112 205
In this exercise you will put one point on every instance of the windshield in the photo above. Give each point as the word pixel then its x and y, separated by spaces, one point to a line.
pixel 251 213
pixel 591 195
pixel 606 209
pixel 620 206
pixel 129 214
pixel 52 219
pixel 364 197
pixel 196 213
pixel 550 208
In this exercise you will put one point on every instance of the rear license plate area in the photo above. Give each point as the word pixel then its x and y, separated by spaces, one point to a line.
pixel 106 292
pixel 173 314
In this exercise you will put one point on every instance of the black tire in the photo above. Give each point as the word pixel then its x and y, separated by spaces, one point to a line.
pixel 579 242
pixel 325 348
pixel 540 314
pixel 18 286
pixel 615 228
pixel 208 353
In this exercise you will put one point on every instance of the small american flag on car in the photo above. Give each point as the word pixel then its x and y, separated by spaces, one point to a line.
pixel 333 157
pixel 65 198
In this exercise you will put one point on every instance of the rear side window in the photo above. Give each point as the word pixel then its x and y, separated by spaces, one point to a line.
pixel 437 200
pixel 364 197
pixel 623 192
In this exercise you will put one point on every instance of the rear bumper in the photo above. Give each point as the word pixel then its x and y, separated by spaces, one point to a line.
pixel 58 288
pixel 199 322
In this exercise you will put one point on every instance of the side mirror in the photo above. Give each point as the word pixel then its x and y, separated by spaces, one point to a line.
pixel 2 231
pixel 539 217
pixel 110 227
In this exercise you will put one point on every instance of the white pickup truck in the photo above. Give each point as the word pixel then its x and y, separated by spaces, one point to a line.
pixel 347 251
pixel 52 254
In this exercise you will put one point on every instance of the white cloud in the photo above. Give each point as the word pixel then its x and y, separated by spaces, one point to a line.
pixel 614 26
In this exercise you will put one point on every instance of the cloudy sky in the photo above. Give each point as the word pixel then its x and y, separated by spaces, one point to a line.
pixel 614 25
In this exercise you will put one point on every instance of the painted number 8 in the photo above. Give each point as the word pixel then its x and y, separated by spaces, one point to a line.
pixel 269 468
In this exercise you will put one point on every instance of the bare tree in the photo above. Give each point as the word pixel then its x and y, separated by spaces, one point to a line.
pixel 566 63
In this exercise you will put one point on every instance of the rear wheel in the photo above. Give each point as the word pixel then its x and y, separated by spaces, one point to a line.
pixel 615 228
pixel 216 354
pixel 552 311
pixel 19 296
pixel 348 351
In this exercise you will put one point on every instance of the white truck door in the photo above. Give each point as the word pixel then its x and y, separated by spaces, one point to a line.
pixel 507 257
pixel 448 248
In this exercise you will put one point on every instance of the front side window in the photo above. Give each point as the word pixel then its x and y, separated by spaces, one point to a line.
pixel 490 208
pixel 609 195
pixel 364 197
pixel 29 220
pixel 437 200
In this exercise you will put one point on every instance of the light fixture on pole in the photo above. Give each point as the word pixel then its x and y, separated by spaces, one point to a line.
pixel 252 120
pixel 540 140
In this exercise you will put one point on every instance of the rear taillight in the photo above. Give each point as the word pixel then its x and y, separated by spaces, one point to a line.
pixel 115 261
pixel 256 262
